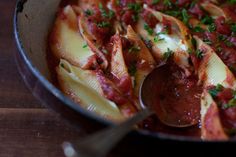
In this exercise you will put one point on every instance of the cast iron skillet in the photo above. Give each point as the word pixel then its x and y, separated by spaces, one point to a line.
pixel 32 22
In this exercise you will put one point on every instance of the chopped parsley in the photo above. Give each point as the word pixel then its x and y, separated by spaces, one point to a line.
pixel 194 42
pixel 62 65
pixel 173 13
pixel 89 12
pixel 148 29
pixel 85 46
pixel 168 54
pixel 132 69
pixel 228 43
pixel 163 32
pixel 221 37
pixel 197 29
pixel 231 103
pixel 155 1
pixel 233 28
pixel 212 27
pixel 225 40
pixel 136 7
pixel 103 24
pixel 219 87
pixel 117 2
pixel 135 17
pixel 110 14
pixel 185 16
pixel 167 3
pixel 231 1
pixel 207 20
pixel 213 92
pixel 219 49
pixel 190 51
pixel 207 41
pixel 156 39
pixel 199 54
pixel 193 3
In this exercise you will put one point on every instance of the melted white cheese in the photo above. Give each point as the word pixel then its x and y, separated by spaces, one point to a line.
pixel 170 41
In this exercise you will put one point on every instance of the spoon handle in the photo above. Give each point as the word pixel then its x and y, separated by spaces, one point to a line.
pixel 100 143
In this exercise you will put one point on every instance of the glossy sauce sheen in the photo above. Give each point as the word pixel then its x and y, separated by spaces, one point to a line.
pixel 180 97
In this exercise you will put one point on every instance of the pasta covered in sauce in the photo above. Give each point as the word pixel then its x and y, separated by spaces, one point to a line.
pixel 105 48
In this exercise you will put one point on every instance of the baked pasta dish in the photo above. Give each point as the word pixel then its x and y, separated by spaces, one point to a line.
pixel 102 50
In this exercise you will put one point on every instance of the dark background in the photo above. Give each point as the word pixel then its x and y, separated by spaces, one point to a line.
pixel 27 129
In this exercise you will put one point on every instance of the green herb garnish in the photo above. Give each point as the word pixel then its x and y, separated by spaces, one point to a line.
pixel 167 3
pixel 199 54
pixel 89 12
pixel 228 43
pixel 212 27
pixel 231 1
pixel 185 16
pixel 156 39
pixel 219 87
pixel 168 54
pixel 103 24
pixel 190 51
pixel 62 65
pixel 207 20
pixel 197 29
pixel 219 49
pixel 193 4
pixel 110 14
pixel 132 69
pixel 117 2
pixel 173 13
pixel 207 41
pixel 155 1
pixel 221 37
pixel 194 42
pixel 214 92
pixel 233 28
pixel 85 46
pixel 135 17
pixel 231 103
pixel 136 7
pixel 148 29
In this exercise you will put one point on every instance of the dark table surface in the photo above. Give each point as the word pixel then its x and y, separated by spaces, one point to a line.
pixel 26 128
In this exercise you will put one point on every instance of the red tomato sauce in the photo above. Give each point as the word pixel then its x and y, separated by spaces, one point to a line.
pixel 224 98
pixel 180 92
pixel 181 97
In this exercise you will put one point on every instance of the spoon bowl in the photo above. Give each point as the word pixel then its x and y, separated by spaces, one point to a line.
pixel 173 101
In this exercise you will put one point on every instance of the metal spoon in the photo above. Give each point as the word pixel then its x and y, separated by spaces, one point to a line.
pixel 99 144
pixel 160 93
